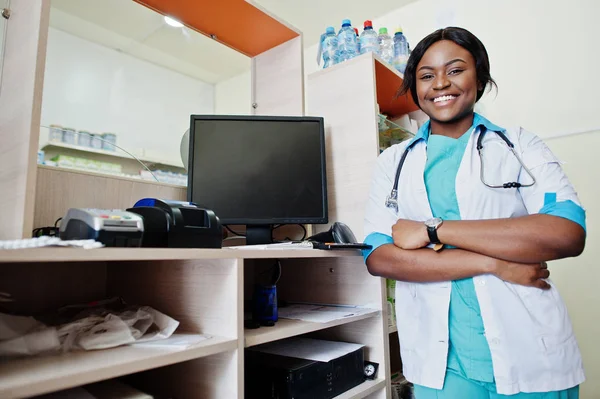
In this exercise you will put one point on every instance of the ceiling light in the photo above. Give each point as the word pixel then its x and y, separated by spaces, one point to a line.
pixel 172 22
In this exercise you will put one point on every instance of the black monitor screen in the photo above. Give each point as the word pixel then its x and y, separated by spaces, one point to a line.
pixel 259 170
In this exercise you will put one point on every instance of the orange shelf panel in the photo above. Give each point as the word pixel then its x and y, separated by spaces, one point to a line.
pixel 388 82
pixel 234 23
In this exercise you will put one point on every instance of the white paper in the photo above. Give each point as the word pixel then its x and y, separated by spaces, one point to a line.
pixel 46 241
pixel 307 348
pixel 321 314
pixel 179 341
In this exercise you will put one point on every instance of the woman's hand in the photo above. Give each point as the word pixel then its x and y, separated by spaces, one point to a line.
pixel 530 275
pixel 408 234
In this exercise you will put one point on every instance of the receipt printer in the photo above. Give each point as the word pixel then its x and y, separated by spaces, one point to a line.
pixel 112 227
pixel 178 224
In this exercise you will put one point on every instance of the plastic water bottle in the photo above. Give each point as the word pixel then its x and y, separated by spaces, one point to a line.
pixel 386 46
pixel 400 51
pixel 331 55
pixel 357 41
pixel 368 39
pixel 347 43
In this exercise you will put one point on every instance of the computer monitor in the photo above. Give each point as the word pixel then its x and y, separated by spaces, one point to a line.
pixel 259 171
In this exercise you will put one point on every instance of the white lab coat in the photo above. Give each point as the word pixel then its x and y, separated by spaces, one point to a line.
pixel 528 330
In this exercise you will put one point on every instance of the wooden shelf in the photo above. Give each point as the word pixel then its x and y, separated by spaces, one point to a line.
pixel 215 19
pixel 363 390
pixel 111 176
pixel 114 154
pixel 387 82
pixel 285 328
pixel 154 254
pixel 42 374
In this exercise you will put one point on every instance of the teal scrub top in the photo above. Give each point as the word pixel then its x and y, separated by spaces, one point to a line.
pixel 469 354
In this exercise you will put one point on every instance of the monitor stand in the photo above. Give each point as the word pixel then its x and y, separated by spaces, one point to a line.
pixel 259 234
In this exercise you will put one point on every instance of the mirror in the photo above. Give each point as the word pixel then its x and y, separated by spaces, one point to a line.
pixel 119 73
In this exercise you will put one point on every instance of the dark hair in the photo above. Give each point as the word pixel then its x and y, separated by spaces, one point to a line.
pixel 463 38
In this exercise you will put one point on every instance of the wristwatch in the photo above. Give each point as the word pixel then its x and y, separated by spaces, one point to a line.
pixel 432 225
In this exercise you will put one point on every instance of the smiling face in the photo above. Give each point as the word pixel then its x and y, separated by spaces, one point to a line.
pixel 446 82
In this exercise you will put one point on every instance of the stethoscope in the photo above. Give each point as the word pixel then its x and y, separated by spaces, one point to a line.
pixel 392 199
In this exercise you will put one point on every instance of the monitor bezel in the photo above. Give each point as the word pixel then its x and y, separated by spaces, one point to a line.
pixel 324 219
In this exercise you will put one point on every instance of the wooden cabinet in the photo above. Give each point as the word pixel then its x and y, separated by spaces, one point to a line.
pixel 350 97
pixel 204 289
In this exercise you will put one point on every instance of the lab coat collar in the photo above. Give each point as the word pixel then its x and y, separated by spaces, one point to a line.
pixel 478 120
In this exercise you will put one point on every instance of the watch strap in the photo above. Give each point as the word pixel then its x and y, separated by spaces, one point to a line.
pixel 432 233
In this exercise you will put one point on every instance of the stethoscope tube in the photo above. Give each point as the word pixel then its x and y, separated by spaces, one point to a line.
pixel 391 200
pixel 511 147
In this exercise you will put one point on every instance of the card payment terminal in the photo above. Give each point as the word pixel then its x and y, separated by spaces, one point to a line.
pixel 113 228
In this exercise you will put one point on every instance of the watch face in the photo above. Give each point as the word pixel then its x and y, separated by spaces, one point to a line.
pixel 369 369
pixel 433 222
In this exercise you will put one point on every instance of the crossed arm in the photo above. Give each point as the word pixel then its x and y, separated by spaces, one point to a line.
pixel 514 250
pixel 528 239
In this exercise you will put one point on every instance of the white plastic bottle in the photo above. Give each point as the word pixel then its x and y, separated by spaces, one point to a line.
pixel 368 39
pixel 400 51
pixel 386 46
pixel 347 43
pixel 330 48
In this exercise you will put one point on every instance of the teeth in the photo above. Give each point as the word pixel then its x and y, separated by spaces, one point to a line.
pixel 443 98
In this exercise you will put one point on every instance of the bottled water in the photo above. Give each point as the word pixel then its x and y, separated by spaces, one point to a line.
pixel 357 41
pixel 347 43
pixel 329 43
pixel 368 39
pixel 400 51
pixel 386 46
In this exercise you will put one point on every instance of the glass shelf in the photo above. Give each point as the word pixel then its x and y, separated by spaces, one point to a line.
pixel 391 133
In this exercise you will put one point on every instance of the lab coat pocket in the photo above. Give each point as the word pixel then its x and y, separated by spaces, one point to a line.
pixel 548 315
pixel 407 313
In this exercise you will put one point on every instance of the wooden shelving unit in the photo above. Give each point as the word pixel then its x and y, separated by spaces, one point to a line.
pixel 57 146
pixel 286 328
pixel 205 290
pixel 363 390
pixel 350 96
pixel 34 376
pixel 53 254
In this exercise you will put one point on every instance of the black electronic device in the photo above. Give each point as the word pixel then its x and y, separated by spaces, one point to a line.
pixel 338 233
pixel 112 227
pixel 259 171
pixel 371 370
pixel 178 224
pixel 336 245
pixel 274 376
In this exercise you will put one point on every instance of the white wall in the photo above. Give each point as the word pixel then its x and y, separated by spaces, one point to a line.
pixel 3 23
pixel 234 96
pixel 577 277
pixel 541 52
pixel 90 87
